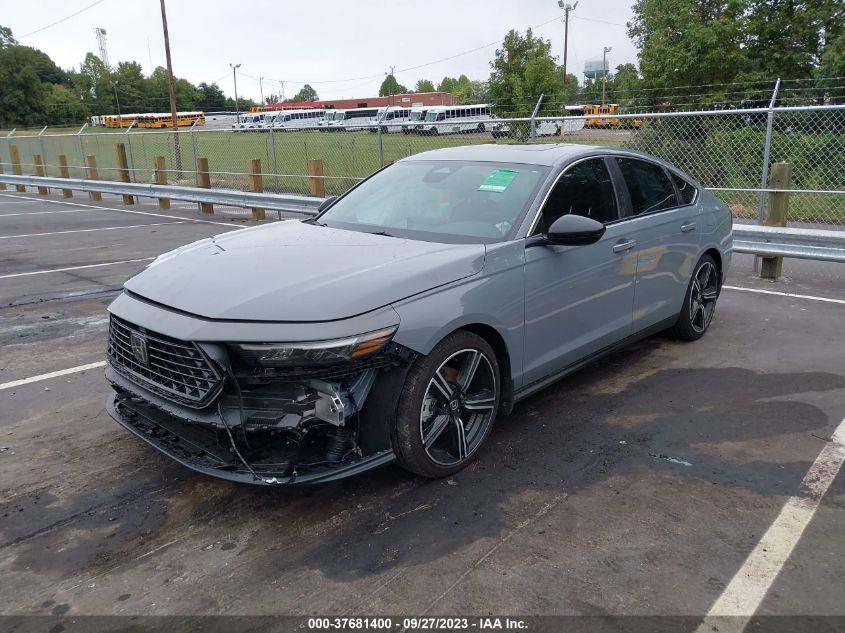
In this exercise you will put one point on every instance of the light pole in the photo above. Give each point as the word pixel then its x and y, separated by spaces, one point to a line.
pixel 261 89
pixel 237 106
pixel 566 9
pixel 605 51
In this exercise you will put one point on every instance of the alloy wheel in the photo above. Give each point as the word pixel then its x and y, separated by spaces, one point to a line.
pixel 458 407
pixel 703 295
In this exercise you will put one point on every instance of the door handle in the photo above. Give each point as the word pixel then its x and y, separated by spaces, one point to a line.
pixel 623 245
pixel 686 227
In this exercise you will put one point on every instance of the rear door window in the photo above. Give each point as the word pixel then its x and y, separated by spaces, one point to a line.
pixel 648 186
pixel 585 189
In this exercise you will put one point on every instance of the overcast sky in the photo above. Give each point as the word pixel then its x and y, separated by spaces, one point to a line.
pixel 319 42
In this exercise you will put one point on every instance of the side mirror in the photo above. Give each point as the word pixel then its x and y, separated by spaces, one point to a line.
pixel 575 230
pixel 325 204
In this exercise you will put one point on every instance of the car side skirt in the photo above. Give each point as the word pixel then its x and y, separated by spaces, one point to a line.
pixel 541 383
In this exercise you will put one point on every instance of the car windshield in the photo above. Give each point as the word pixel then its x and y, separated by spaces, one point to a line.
pixel 439 201
pixel 431 116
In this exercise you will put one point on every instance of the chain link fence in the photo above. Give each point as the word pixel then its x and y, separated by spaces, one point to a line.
pixel 728 151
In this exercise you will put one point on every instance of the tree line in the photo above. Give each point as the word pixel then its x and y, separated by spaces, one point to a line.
pixel 35 91
pixel 706 53
pixel 699 52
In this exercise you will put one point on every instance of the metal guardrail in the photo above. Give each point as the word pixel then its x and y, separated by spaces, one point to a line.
pixel 818 244
pixel 226 197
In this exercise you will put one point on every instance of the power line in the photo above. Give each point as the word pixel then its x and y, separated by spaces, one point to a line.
pixel 64 19
pixel 408 69
pixel 580 17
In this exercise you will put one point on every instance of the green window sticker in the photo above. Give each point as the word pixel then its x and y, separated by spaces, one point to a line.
pixel 498 181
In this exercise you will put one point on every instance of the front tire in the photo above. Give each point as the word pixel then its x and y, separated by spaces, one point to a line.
pixel 699 302
pixel 447 406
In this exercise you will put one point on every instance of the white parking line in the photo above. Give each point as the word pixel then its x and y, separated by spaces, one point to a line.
pixel 52 374
pixel 104 228
pixel 12 215
pixel 91 206
pixel 61 270
pixel 784 294
pixel 744 594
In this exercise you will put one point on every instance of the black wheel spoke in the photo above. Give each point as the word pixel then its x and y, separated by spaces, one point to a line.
pixel 468 369
pixel 439 423
pixel 460 437
pixel 442 389
pixel 481 401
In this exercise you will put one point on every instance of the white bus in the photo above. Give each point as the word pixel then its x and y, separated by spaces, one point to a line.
pixel 456 119
pixel 416 118
pixel 250 122
pixel 297 119
pixel 350 120
pixel 391 116
pixel 543 127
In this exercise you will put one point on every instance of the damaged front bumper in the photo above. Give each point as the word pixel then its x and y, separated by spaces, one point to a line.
pixel 203 449
pixel 274 442
pixel 215 411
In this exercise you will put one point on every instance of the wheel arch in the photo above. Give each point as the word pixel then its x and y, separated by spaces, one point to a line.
pixel 717 257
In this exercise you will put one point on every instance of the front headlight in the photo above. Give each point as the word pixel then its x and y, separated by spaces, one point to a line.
pixel 315 353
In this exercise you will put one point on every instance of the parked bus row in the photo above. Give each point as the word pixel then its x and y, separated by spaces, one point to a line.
pixel 148 120
pixel 429 121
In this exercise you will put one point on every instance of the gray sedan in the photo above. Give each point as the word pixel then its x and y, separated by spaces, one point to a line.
pixel 410 312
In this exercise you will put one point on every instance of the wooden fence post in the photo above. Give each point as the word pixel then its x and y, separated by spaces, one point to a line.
pixel 777 212
pixel 16 165
pixel 2 184
pixel 123 169
pixel 38 162
pixel 256 186
pixel 65 173
pixel 161 179
pixel 316 183
pixel 204 181
pixel 91 163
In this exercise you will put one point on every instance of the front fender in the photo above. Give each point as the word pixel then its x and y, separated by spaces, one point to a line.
pixel 495 298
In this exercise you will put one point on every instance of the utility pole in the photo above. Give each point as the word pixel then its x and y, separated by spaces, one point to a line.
pixel 171 89
pixel 237 106
pixel 117 99
pixel 605 51
pixel 566 9
pixel 261 89
pixel 394 82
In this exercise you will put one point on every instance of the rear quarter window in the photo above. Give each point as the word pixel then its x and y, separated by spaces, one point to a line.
pixel 686 191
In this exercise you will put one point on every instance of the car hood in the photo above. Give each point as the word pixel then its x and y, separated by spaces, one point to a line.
pixel 292 271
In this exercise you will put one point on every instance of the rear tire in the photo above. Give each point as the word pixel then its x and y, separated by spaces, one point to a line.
pixel 447 406
pixel 699 302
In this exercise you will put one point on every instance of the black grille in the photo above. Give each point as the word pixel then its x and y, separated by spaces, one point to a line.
pixel 176 370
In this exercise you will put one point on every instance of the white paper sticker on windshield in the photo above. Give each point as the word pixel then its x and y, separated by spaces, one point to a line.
pixel 499 180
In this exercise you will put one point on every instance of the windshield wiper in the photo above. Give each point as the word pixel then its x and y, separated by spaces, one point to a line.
pixel 314 222
pixel 385 233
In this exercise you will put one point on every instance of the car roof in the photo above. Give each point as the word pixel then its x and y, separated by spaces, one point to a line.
pixel 546 154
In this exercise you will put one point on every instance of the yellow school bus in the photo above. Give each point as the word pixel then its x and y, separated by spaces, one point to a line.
pixel 597 117
pixel 165 120
pixel 122 120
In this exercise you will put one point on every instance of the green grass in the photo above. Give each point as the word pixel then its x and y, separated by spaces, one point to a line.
pixel 348 157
